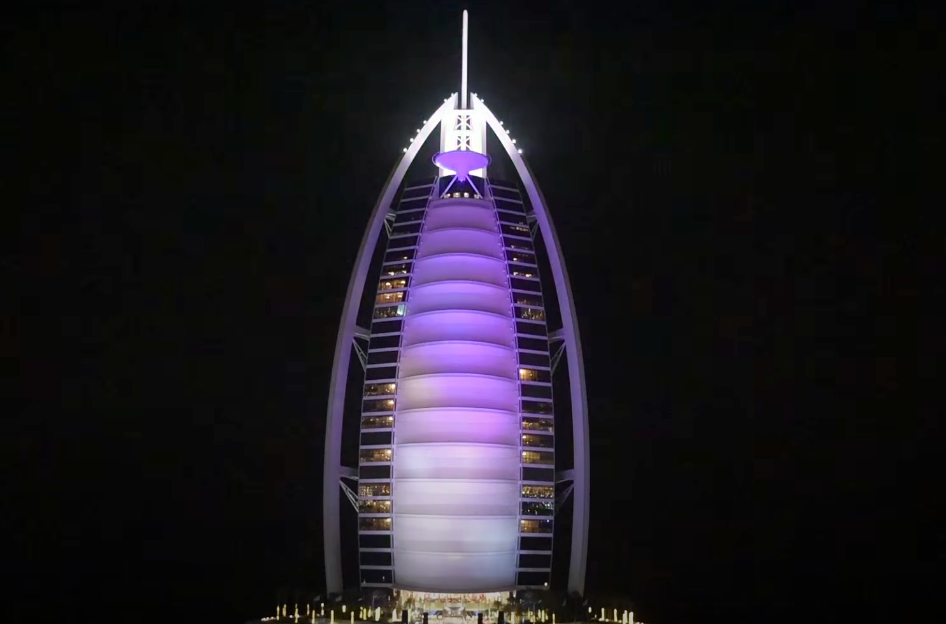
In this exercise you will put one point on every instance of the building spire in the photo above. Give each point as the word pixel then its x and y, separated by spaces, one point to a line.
pixel 463 70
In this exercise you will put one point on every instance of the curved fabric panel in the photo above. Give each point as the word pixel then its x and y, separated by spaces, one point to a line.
pixel 471 241
pixel 455 325
pixel 458 357
pixel 457 438
pixel 458 266
pixel 460 296
pixel 458 425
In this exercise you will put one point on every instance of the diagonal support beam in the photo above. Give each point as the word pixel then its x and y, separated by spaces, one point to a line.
pixel 361 332
pixel 565 475
pixel 349 494
pixel 561 498
pixel 557 356
pixel 556 336
pixel 348 472
pixel 362 354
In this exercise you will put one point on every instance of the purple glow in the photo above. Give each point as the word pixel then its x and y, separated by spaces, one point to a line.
pixel 461 161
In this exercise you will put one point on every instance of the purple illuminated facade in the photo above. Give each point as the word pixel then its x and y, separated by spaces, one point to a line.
pixel 456 482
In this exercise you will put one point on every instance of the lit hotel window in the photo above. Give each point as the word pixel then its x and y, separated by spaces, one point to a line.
pixel 377 422
pixel 379 489
pixel 542 441
pixel 538 491
pixel 534 509
pixel 537 424
pixel 390 311
pixel 378 405
pixel 531 314
pixel 375 455
pixel 391 297
pixel 536 526
pixel 537 457
pixel 379 524
pixel 527 374
pixel 384 506
pixel 523 274
pixel 393 283
pixel 380 389
pixel 397 269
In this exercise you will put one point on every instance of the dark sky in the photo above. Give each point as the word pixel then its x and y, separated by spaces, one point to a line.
pixel 200 175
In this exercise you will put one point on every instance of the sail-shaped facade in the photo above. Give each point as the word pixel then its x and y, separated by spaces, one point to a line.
pixel 457 473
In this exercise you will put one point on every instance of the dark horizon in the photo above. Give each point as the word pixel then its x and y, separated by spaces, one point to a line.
pixel 201 177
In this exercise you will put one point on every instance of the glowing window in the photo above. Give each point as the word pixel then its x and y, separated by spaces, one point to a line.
pixel 531 314
pixel 537 424
pixel 538 457
pixel 397 269
pixel 391 297
pixel 378 405
pixel 542 441
pixel 377 422
pixel 393 283
pixel 378 524
pixel 523 273
pixel 535 526
pixel 538 491
pixel 380 389
pixel 384 506
pixel 527 374
pixel 537 509
pixel 369 456
pixel 379 489
pixel 390 311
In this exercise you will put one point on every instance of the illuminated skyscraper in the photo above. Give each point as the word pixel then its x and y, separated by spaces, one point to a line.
pixel 456 482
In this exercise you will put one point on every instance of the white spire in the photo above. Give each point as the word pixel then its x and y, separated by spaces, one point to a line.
pixel 463 71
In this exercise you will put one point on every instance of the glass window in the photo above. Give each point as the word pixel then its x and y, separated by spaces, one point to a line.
pixel 412 216
pixel 377 524
pixel 532 579
pixel 391 284
pixel 526 299
pixel 532 314
pixel 399 255
pixel 380 389
pixel 533 543
pixel 385 327
pixel 536 457
pixel 543 441
pixel 535 526
pixel 401 243
pixel 519 256
pixel 390 311
pixel 393 297
pixel 533 344
pixel 381 372
pixel 529 509
pixel 527 285
pixel 376 438
pixel 504 193
pixel 537 424
pixel 535 561
pixel 533 359
pixel 374 489
pixel 384 342
pixel 536 407
pixel 406 228
pixel 382 506
pixel 517 243
pixel 377 405
pixel 538 491
pixel 536 392
pixel 382 357
pixel 516 230
pixel 521 271
pixel 542 475
pixel 377 559
pixel 375 471
pixel 390 270
pixel 532 329
pixel 514 219
pixel 384 541
pixel 377 422
pixel 374 456
pixel 376 577
pixel 532 374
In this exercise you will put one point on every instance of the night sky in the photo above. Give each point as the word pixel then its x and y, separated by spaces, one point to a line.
pixel 199 179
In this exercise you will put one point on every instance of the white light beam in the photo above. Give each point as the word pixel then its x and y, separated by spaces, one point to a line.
pixel 463 69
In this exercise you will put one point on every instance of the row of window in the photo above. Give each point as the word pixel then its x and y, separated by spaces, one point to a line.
pixel 399 268
pixel 390 311
pixel 540 441
pixel 536 407
pixel 384 506
pixel 536 457
pixel 531 314
pixel 376 438
pixel 378 405
pixel 536 392
pixel 538 509
pixel 382 489
pixel 370 456
pixel 538 491
pixel 377 422
pixel 391 297
pixel 530 300
pixel 532 526
pixel 392 284
pixel 384 524
pixel 533 374
pixel 380 389
pixel 534 424
pixel 520 257
pixel 526 542
pixel 539 473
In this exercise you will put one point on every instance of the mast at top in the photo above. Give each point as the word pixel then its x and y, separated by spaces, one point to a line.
pixel 463 69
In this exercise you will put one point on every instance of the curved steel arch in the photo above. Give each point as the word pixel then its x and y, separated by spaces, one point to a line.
pixel 576 369
pixel 343 348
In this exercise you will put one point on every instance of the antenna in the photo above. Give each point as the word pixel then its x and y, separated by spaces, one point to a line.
pixel 463 71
